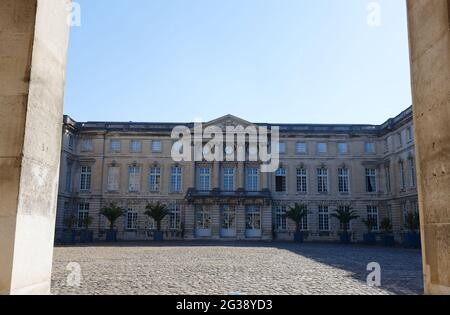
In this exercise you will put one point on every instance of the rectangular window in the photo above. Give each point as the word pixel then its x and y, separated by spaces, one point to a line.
pixel 370 147
pixel 174 216
pixel 134 178
pixel 405 212
pixel 282 147
pixel 154 180
pixel 83 214
pixel 387 175
pixel 342 148
pixel 322 148
pixel 371 180
pixel 228 217
pixel 409 134
pixel 399 139
pixel 372 212
pixel 176 179
pixel 86 145
pixel 135 146
pixel 132 219
pixel 280 180
pixel 386 145
pixel 156 146
pixel 412 172
pixel 253 218
pixel 324 218
pixel 252 180
pixel 304 224
pixel 71 141
pixel 85 178
pixel 115 146
pixel 302 180
pixel 343 180
pixel 402 175
pixel 113 178
pixel 204 179
pixel 347 226
pixel 301 148
pixel 322 180
pixel 69 176
pixel 280 217
pixel 228 179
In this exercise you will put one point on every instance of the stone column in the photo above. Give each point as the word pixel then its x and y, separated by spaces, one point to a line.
pixel 429 38
pixel 34 40
pixel 240 176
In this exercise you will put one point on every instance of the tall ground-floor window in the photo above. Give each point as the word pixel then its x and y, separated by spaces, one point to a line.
pixel 132 219
pixel 346 226
pixel 304 224
pixel 83 214
pixel 203 221
pixel 280 217
pixel 228 221
pixel 253 221
pixel 324 218
pixel 372 213
pixel 174 216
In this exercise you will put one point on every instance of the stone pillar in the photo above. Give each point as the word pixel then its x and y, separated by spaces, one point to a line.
pixel 429 38
pixel 240 176
pixel 34 40
pixel 216 175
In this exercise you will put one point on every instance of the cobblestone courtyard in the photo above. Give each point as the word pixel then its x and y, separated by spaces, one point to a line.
pixel 222 268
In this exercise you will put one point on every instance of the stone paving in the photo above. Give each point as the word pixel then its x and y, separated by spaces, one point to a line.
pixel 234 268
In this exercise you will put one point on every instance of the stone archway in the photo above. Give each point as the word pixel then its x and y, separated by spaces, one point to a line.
pixel 34 40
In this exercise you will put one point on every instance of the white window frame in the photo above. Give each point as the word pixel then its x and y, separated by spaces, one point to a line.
pixel 324 218
pixel 115 146
pixel 134 172
pixel 302 180
pixel 131 219
pixel 156 146
pixel 371 173
pixel 343 180
pixel 322 148
pixel 135 146
pixel 175 216
pixel 204 176
pixel 280 218
pixel 301 148
pixel 402 175
pixel 412 172
pixel 372 212
pixel 281 172
pixel 342 145
pixel 86 145
pixel 252 179
pixel 322 180
pixel 228 178
pixel 85 178
pixel 83 213
pixel 176 179
pixel 154 179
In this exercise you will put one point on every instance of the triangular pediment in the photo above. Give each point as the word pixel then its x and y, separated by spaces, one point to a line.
pixel 229 120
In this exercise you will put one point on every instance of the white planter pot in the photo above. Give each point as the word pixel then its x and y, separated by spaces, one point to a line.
pixel 253 233
pixel 227 232
pixel 203 232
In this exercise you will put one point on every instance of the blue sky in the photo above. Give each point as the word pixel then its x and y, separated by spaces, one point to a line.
pixel 287 61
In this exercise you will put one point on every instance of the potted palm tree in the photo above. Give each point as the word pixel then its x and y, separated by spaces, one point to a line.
pixel 297 214
pixel 345 215
pixel 86 236
pixel 370 238
pixel 386 228
pixel 112 213
pixel 69 235
pixel 412 236
pixel 157 212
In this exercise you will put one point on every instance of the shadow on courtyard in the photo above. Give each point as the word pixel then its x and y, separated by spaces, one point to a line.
pixel 401 269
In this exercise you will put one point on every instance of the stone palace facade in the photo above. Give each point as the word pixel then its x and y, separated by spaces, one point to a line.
pixel 370 168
